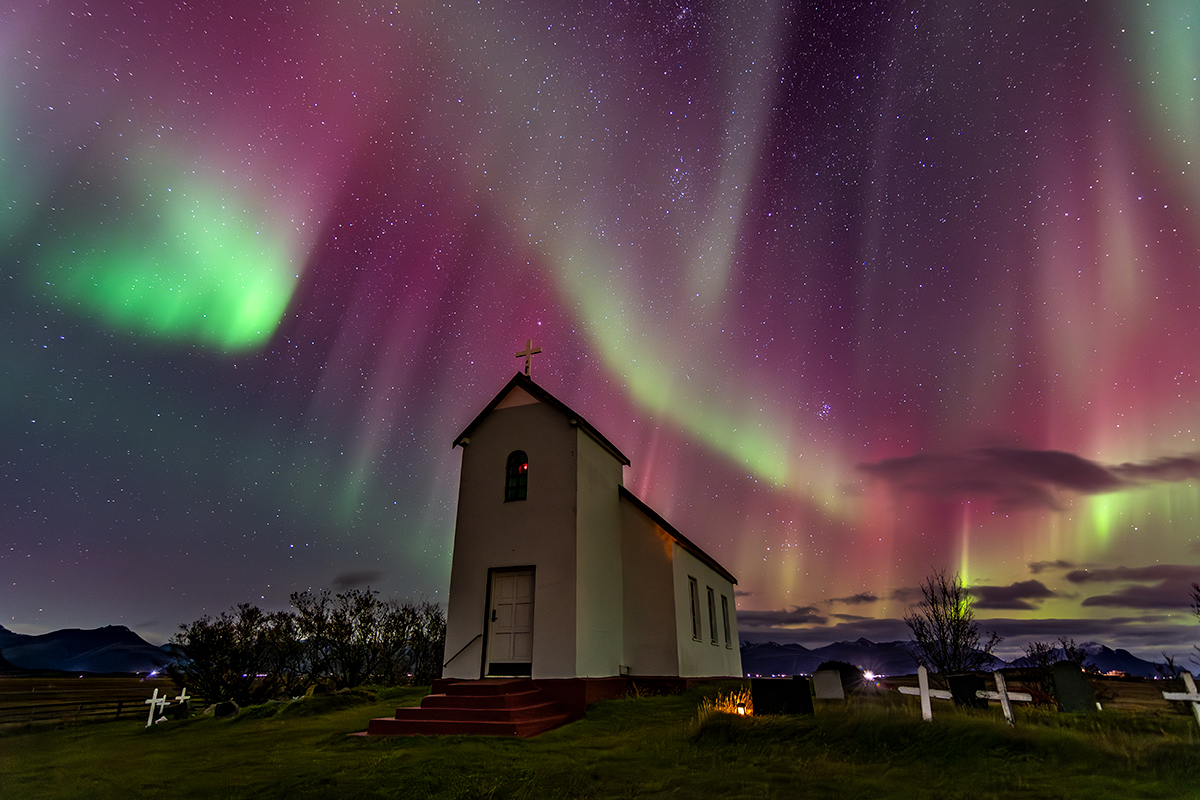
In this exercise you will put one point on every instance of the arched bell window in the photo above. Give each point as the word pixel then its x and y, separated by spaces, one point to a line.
pixel 516 476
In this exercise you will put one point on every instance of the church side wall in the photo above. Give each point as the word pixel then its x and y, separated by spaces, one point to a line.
pixel 702 659
pixel 650 647
pixel 599 617
pixel 539 531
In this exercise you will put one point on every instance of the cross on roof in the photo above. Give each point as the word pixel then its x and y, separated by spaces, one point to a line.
pixel 528 353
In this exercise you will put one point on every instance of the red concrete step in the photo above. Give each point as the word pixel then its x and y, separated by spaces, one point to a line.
pixel 505 707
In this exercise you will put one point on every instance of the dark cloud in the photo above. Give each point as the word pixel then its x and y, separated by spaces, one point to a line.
pixel 1171 589
pixel 906 594
pixel 740 593
pixel 856 599
pixel 1164 470
pixel 849 617
pixel 1015 596
pixel 1167 594
pixel 1019 478
pixel 783 618
pixel 1038 567
pixel 356 579
pixel 1155 572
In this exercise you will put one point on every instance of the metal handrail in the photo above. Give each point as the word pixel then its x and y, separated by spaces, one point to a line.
pixel 464 647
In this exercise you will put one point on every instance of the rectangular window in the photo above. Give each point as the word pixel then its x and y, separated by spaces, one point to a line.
pixel 725 619
pixel 694 590
pixel 712 614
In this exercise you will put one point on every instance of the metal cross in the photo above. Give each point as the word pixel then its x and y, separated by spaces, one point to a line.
pixel 527 354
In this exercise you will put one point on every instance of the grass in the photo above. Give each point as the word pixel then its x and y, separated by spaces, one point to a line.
pixel 654 747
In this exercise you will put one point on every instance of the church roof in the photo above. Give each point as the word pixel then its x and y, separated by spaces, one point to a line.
pixel 525 383
pixel 684 542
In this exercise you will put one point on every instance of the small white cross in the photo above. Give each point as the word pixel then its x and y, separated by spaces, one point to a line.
pixel 183 696
pixel 1191 695
pixel 1004 697
pixel 155 702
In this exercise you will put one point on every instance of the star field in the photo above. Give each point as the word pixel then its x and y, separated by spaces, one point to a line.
pixel 863 290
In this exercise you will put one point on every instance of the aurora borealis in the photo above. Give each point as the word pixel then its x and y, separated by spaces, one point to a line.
pixel 862 290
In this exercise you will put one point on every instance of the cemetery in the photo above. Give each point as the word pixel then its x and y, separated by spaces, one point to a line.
pixel 812 734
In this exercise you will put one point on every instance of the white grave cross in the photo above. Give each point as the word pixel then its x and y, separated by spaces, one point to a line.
pixel 155 702
pixel 1004 697
pixel 925 692
pixel 1191 695
pixel 183 696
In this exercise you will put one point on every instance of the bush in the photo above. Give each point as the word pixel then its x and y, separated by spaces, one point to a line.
pixel 247 655
pixel 344 640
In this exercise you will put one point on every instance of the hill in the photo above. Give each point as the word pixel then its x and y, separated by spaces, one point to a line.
pixel 895 658
pixel 113 648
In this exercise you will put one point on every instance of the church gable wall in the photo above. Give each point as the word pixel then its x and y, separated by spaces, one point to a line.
pixel 538 531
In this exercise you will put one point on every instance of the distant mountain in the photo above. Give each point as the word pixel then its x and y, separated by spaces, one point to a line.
pixel 769 658
pixel 895 658
pixel 113 648
pixel 1105 659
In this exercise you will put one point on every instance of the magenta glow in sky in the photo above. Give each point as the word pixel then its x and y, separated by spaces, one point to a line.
pixel 861 292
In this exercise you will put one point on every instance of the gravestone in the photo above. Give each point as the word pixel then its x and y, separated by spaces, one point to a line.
pixel 965 688
pixel 828 684
pixel 781 696
pixel 1073 692
pixel 225 708
pixel 183 706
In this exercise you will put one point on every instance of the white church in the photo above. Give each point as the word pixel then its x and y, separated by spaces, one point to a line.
pixel 560 572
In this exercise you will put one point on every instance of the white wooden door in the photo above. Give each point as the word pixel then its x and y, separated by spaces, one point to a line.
pixel 510 623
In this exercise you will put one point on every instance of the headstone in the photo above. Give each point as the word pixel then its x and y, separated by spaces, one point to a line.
pixel 183 707
pixel 828 684
pixel 965 688
pixel 226 708
pixel 1075 695
pixel 781 696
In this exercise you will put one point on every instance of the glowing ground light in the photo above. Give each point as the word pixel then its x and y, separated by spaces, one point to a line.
pixel 188 265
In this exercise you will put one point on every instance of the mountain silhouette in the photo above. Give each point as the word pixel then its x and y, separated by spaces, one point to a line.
pixel 896 658
pixel 113 648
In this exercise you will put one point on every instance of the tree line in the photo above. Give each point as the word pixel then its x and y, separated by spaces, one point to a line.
pixel 338 641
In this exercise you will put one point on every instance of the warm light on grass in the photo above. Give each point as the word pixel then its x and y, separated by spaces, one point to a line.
pixel 737 702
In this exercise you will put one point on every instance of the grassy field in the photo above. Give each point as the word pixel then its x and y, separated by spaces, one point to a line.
pixel 640 747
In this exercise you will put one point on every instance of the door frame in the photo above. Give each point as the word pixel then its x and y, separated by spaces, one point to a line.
pixel 487 614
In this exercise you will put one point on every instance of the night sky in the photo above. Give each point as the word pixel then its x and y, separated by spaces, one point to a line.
pixel 862 289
